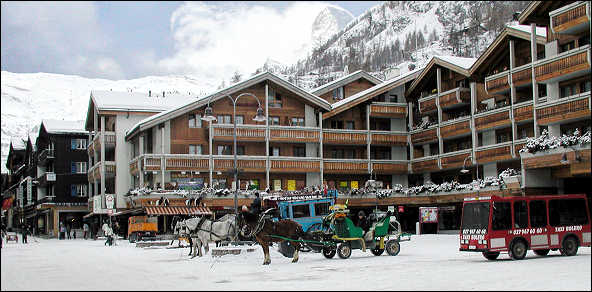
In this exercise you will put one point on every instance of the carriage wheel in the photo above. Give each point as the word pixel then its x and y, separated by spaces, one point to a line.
pixel 329 252
pixel 377 251
pixel 392 247
pixel 344 250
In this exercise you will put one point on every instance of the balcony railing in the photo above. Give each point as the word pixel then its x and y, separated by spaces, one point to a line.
pixel 459 127
pixel 334 136
pixel 345 166
pixel 388 110
pixel 519 144
pixel 184 162
pixel 522 75
pixel 575 62
pixel 523 112
pixel 390 166
pixel 492 119
pixel 570 18
pixel 564 109
pixel 388 138
pixel 225 163
pixel 45 155
pixel 424 136
pixel 243 132
pixel 455 96
pixel 428 104
pixel 429 163
pixel 454 159
pixel 497 83
pixel 497 152
pixel 295 164
pixel 96 142
pixel 94 173
pixel 293 134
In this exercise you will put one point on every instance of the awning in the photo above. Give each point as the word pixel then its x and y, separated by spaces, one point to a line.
pixel 177 210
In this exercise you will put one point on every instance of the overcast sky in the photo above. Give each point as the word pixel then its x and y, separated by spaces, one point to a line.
pixel 125 40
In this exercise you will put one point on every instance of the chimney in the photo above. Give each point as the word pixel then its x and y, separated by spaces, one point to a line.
pixel 149 93
pixel 163 93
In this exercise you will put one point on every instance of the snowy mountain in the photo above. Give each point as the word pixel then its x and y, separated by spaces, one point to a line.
pixel 29 97
pixel 327 22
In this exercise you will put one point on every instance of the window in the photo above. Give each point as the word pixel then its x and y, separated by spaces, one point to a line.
pixel 274 121
pixel 240 120
pixel 349 125
pixel 224 119
pixel 78 167
pixel 538 214
pixel 337 153
pixel 274 151
pixel 520 215
pixel 336 124
pixel 585 40
pixel 585 86
pixel 194 149
pixel 300 211
pixel 321 209
pixel 240 150
pixel 568 90
pixel 78 144
pixel 194 121
pixel 349 153
pixel 298 122
pixel 502 216
pixel 274 99
pixel 568 46
pixel 224 150
pixel 567 212
pixel 78 191
pixel 338 93
pixel 299 152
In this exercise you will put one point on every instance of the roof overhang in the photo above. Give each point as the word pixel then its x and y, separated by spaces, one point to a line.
pixel 433 62
pixel 345 80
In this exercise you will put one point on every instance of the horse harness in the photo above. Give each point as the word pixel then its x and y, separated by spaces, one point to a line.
pixel 198 228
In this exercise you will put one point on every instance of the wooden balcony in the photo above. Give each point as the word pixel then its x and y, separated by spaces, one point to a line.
pixel 564 66
pixel 250 164
pixel 492 119
pixel 348 166
pixel 388 138
pixel 424 136
pixel 570 19
pixel 455 160
pixel 186 162
pixel 293 134
pixel 519 144
pixel 497 83
pixel 428 104
pixel 45 156
pixel 96 142
pixel 425 165
pixel 151 162
pixel 456 129
pixel 523 113
pixel 94 173
pixel 389 167
pixel 388 110
pixel 522 76
pixel 456 96
pixel 553 157
pixel 243 132
pixel 349 137
pixel 563 109
pixel 492 153
pixel 295 164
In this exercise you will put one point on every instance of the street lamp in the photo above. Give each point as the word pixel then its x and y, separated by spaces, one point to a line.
pixel 464 170
pixel 209 117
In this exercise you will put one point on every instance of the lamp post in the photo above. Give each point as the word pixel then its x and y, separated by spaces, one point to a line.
pixel 209 117
pixel 464 170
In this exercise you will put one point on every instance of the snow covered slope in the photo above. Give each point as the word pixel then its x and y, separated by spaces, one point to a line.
pixel 329 20
pixel 29 97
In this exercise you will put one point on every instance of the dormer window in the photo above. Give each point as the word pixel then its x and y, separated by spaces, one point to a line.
pixel 338 93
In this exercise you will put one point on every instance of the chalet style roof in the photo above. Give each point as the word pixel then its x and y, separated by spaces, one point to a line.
pixel 538 12
pixel 189 106
pixel 63 127
pixel 132 102
pixel 460 65
pixel 515 30
pixel 17 143
pixel 345 80
pixel 371 92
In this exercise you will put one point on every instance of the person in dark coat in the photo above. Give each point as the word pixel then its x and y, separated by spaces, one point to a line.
pixel 256 205
pixel 363 221
pixel 25 231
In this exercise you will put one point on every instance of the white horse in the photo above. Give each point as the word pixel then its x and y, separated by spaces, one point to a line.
pixel 201 233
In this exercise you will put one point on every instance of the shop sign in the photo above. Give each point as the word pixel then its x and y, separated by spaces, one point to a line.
pixel 51 176
pixel 401 209
pixel 291 185
pixel 428 214
pixel 109 201
pixel 354 184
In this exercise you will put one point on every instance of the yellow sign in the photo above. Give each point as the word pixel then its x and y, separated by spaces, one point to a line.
pixel 343 184
pixel 291 185
pixel 354 184
pixel 277 184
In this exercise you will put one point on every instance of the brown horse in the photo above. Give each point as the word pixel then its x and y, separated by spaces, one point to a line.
pixel 262 228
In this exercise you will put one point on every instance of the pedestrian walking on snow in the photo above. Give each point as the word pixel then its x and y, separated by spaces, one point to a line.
pixel 85 230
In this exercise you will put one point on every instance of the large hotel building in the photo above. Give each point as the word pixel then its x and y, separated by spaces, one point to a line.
pixel 418 127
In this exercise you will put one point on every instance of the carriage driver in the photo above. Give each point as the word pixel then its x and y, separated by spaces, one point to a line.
pixel 365 225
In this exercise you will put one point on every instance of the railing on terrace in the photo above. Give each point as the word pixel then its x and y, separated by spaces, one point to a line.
pixel 458 127
pixel 389 138
pixel 186 162
pixel 496 152
pixel 423 136
pixel 294 134
pixel 344 136
pixel 568 62
pixel 244 163
pixel 384 109
pixel 523 111
pixel 428 104
pixel 46 154
pixel 345 166
pixel 497 82
pixel 454 159
pixel 493 118
pixel 568 16
pixel 96 142
pixel 226 131
pixel 425 164
pixel 455 96
pixel 564 108
pixel 390 166
pixel 295 164
pixel 522 75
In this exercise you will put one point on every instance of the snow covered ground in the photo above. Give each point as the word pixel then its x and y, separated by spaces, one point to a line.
pixel 427 262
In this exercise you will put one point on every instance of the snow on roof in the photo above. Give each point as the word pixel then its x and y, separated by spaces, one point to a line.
pixel 374 88
pixel 61 126
pixel 18 143
pixel 338 80
pixel 158 115
pixel 540 31
pixel 138 100
pixel 462 62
